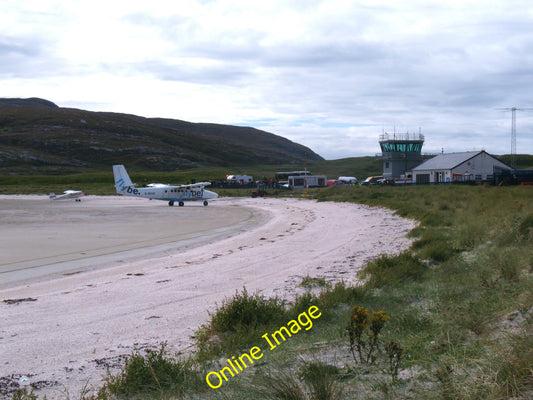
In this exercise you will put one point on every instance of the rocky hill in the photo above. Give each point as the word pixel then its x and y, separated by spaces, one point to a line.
pixel 37 136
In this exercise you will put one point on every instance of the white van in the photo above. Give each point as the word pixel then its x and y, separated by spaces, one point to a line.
pixel 348 180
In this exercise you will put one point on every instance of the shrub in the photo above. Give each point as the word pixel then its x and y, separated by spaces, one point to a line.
pixel 363 346
pixel 387 270
pixel 340 294
pixel 438 250
pixel 244 311
pixel 151 374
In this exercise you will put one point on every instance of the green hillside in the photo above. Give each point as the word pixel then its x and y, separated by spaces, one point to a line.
pixel 38 137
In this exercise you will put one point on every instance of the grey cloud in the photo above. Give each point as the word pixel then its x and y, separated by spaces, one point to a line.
pixel 22 57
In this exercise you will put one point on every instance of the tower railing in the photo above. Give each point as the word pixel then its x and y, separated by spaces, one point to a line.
pixel 401 136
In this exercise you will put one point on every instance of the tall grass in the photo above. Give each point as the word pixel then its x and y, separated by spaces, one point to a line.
pixel 153 374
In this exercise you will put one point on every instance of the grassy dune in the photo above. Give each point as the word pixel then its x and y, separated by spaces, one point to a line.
pixel 450 318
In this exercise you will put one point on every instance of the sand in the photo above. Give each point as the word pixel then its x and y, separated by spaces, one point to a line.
pixel 100 278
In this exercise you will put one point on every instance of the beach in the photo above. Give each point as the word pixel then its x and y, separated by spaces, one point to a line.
pixel 84 284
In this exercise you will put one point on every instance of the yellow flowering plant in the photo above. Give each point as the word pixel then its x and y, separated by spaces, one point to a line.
pixel 363 346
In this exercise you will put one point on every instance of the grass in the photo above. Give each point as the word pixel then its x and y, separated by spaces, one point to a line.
pixel 236 323
pixel 459 304
pixel 153 374
pixel 101 183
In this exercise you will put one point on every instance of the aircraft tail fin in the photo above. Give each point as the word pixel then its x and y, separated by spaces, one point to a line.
pixel 122 179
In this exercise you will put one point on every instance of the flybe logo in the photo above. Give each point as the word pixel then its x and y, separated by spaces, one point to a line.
pixel 120 184
pixel 128 189
pixel 197 193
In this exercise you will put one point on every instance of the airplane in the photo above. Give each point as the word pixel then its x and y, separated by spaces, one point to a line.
pixel 68 194
pixel 160 191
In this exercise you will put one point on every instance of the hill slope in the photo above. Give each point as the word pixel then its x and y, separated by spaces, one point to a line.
pixel 38 136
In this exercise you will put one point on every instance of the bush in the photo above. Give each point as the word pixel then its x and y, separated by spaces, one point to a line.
pixel 246 312
pixel 387 270
pixel 153 373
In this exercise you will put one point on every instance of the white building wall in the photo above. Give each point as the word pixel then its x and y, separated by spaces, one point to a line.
pixel 479 166
pixel 431 173
pixel 435 176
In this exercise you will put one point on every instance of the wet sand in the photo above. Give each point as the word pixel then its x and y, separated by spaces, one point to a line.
pixel 70 327
pixel 42 239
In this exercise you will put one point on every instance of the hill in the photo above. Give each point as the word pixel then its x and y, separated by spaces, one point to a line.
pixel 37 136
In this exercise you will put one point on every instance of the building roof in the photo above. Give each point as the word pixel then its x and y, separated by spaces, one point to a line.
pixel 447 161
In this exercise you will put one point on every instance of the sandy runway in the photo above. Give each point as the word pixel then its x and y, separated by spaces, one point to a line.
pixel 78 319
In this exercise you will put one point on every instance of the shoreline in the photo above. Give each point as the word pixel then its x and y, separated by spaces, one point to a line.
pixel 80 323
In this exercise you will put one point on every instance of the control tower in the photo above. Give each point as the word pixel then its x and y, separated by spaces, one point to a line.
pixel 400 153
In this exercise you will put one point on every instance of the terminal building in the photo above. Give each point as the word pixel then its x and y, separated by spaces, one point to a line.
pixel 467 166
pixel 403 163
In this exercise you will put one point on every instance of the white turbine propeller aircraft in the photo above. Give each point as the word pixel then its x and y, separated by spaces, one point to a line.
pixel 68 194
pixel 160 191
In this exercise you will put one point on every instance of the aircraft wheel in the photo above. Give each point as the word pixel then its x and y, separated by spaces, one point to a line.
pixel 170 203
pixel 205 202
pixel 181 203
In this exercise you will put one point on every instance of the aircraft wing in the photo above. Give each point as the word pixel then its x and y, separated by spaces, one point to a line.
pixel 192 185
pixel 67 194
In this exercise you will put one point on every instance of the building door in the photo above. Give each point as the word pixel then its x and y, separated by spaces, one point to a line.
pixel 422 179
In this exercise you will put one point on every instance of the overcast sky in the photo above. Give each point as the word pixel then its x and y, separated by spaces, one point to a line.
pixel 332 74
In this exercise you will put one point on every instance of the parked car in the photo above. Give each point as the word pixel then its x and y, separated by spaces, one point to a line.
pixel 334 182
pixel 372 180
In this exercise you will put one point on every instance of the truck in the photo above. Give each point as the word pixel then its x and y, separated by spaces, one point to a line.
pixel 307 181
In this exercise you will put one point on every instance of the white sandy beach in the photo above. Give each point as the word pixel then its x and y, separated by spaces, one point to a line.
pixel 111 274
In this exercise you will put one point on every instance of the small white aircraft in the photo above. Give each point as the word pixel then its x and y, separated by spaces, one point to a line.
pixel 68 194
pixel 160 191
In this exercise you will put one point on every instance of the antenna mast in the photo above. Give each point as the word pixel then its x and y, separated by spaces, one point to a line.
pixel 513 131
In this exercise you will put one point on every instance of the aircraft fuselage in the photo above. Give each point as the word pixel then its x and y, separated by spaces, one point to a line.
pixel 169 193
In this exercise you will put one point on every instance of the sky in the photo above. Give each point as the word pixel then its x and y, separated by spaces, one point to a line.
pixel 332 75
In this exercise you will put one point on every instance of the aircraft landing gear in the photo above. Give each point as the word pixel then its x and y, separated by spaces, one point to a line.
pixel 205 202
pixel 170 203
pixel 181 203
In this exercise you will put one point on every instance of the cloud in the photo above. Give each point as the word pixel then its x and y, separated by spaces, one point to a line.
pixel 328 74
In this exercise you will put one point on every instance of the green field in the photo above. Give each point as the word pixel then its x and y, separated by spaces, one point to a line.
pixel 101 183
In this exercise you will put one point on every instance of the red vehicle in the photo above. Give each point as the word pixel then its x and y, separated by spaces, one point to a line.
pixel 259 192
